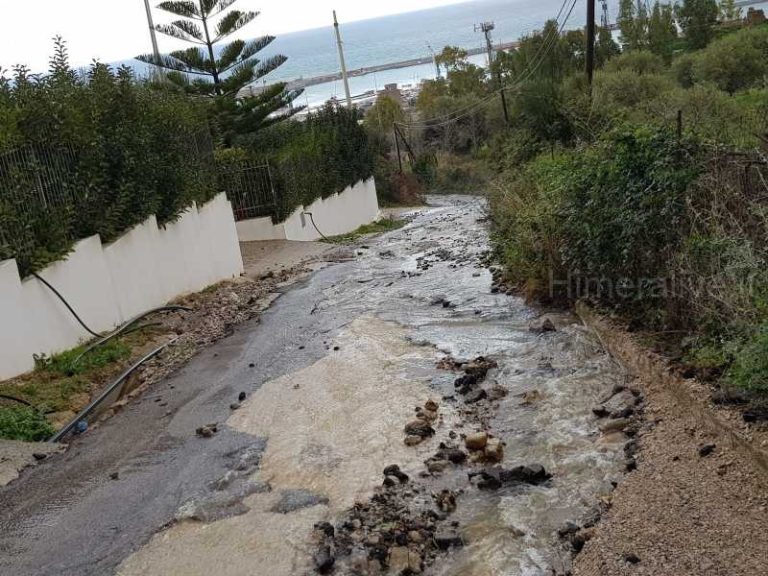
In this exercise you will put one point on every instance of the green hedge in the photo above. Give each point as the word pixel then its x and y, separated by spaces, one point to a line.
pixel 315 157
pixel 108 150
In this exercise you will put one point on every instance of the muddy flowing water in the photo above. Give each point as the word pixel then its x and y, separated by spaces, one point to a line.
pixel 412 297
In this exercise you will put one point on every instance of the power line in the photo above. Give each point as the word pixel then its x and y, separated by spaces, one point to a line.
pixel 541 54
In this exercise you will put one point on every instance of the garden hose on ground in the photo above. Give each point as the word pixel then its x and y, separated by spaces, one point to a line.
pixel 106 393
pixel 124 329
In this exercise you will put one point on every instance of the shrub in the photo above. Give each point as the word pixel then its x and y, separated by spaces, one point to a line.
pixel 749 370
pixel 104 150
pixel 734 62
pixel 636 61
pixel 24 423
pixel 527 226
pixel 625 203
pixel 314 158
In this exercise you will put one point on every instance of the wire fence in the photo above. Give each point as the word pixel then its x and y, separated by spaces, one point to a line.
pixel 36 197
pixel 46 192
pixel 250 189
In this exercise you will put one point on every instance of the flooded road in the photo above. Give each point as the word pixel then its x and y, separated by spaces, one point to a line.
pixel 333 372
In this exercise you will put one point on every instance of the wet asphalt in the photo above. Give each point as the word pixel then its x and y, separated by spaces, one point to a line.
pixel 67 516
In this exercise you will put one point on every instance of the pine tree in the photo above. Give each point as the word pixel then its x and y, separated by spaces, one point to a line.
pixel 626 22
pixel 223 72
pixel 698 19
pixel 662 31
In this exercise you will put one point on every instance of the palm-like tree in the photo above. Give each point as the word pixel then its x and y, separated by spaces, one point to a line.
pixel 223 72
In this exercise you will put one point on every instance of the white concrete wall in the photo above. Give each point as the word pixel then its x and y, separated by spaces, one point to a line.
pixel 338 214
pixel 107 285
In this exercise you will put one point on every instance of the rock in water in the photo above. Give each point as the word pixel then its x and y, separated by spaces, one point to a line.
pixel 394 470
pixel 494 450
pixel 413 440
pixel 476 441
pixel 324 560
pixel 448 537
pixel 431 405
pixel 475 396
pixel 419 428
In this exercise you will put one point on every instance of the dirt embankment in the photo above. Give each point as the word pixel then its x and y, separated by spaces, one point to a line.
pixel 697 502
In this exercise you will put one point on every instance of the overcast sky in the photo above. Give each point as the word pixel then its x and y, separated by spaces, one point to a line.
pixel 110 30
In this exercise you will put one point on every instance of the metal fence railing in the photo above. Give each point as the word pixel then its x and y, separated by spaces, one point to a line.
pixel 36 196
pixel 250 189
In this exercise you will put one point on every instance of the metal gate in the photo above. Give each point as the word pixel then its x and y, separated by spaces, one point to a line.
pixel 249 188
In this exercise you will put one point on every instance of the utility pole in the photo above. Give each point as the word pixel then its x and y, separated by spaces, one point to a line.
pixel 486 28
pixel 590 42
pixel 435 62
pixel 341 61
pixel 155 50
pixel 604 16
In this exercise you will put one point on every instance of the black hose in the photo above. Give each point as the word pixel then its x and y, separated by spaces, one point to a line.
pixel 312 218
pixel 106 393
pixel 124 329
pixel 19 400
pixel 63 300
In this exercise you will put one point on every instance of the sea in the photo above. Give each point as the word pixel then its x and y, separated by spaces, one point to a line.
pixel 407 36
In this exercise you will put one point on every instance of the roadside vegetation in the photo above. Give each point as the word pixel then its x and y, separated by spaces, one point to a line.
pixel 61 385
pixel 645 196
pixel 379 227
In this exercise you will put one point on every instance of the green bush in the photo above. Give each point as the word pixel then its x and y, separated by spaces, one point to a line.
pixel 625 204
pixel 113 150
pixel 527 226
pixel 24 423
pixel 314 158
pixel 749 370
pixel 637 62
pixel 734 62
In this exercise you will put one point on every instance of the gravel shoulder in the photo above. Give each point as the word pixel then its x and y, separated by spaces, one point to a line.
pixel 697 504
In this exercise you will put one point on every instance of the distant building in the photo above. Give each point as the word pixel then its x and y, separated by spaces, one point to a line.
pixel 755 17
pixel 392 91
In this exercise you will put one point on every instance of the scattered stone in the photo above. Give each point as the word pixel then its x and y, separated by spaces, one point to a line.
pixel 235 406
pixel 754 415
pixel 206 431
pixel 39 456
pixel 402 560
pixel 431 405
pixel 446 500
pixel 496 392
pixel 394 470
pixel 436 466
pixel 616 425
pixel 454 455
pixel 114 476
pixel 706 450
pixel 241 397
pixel 493 478
pixel 475 396
pixel 448 537
pixel 494 450
pixel 413 440
pixel 324 560
pixel 600 411
pixel 325 528
pixel 419 428
pixel 631 558
pixel 621 405
pixel 292 500
pixel 476 441
pixel 427 415
pixel 530 397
